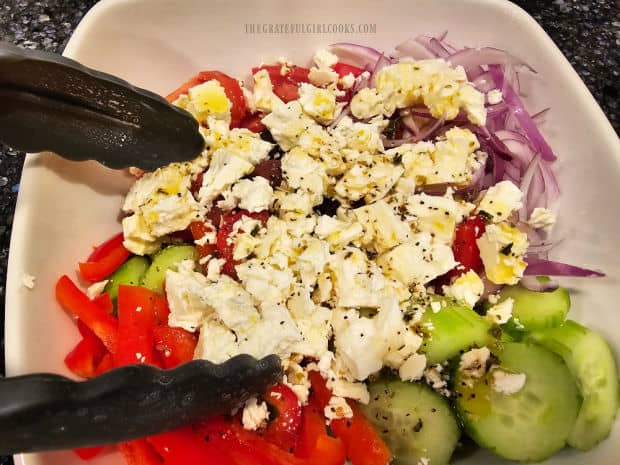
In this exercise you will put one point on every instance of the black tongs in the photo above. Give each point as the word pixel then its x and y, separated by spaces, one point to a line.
pixel 48 412
pixel 49 102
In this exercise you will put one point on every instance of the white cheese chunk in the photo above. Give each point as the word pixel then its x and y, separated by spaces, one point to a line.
pixel 254 415
pixel 500 201
pixel 507 383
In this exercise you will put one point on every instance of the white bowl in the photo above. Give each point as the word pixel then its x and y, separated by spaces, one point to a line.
pixel 64 208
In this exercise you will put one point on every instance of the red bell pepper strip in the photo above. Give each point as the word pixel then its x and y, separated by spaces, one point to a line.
pixel 85 356
pixel 87 453
pixel 106 364
pixel 183 447
pixel 160 309
pixel 363 443
pixel 175 345
pixel 72 299
pixel 249 447
pixel 314 442
pixel 104 302
pixel 139 452
pixel 283 430
pixel 105 259
pixel 136 321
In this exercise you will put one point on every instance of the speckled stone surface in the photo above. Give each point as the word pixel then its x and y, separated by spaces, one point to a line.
pixel 587 31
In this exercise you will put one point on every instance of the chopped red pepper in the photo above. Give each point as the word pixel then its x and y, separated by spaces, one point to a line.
pixel 283 430
pixel 314 442
pixel 105 259
pixel 175 345
pixel 139 452
pixel 160 310
pixel 71 298
pixel 87 453
pixel 105 302
pixel 363 443
pixel 85 356
pixel 183 447
pixel 106 364
pixel 247 447
pixel 136 321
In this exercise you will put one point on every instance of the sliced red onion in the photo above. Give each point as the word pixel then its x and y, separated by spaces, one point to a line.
pixel 538 266
pixel 527 125
pixel 412 48
pixel 484 82
pixel 436 47
pixel 357 55
pixel 346 110
pixel 409 122
pixel 470 57
pixel 425 133
pixel 536 284
pixel 381 63
pixel 526 182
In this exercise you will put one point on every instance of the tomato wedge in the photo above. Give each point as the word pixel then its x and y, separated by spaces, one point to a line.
pixel 225 249
pixel 231 88
pixel 105 259
pixel 198 230
pixel 285 86
pixel 464 247
pixel 343 69
pixel 253 122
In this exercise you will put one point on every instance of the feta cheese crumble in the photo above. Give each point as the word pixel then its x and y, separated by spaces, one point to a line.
pixel 28 281
pixel 254 415
pixel 502 312
pixel 507 383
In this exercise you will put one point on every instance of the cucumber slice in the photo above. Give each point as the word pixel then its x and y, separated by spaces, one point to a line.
pixel 129 273
pixel 164 260
pixel 592 363
pixel 452 329
pixel 414 421
pixel 530 424
pixel 533 310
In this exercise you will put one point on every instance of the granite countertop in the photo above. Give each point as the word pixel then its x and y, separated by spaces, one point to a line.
pixel 587 31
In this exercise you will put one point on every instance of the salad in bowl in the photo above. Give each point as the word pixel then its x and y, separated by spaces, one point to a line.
pixel 381 221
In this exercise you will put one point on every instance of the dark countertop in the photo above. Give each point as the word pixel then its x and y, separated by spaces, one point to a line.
pixel 587 31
